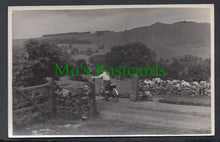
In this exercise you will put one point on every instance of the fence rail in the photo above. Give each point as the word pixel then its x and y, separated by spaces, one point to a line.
pixel 36 102
pixel 42 102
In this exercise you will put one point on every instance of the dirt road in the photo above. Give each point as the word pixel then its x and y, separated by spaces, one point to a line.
pixel 183 118
pixel 130 118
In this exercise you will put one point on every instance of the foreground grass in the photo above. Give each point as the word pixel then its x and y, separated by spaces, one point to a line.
pixel 184 100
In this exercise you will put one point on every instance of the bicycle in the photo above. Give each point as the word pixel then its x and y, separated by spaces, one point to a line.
pixel 112 93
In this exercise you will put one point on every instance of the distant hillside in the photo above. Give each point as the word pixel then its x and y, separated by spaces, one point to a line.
pixel 166 40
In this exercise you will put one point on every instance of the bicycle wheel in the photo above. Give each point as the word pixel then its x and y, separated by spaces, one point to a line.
pixel 114 95
pixel 101 92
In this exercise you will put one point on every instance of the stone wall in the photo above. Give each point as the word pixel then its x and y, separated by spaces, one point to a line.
pixel 76 102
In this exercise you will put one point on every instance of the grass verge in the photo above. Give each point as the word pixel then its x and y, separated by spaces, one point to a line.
pixel 185 100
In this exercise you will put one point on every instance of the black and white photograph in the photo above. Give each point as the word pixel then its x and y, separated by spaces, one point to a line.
pixel 111 70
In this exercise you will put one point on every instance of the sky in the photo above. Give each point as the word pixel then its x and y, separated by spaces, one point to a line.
pixel 35 23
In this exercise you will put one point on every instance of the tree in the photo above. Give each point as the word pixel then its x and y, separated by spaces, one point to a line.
pixel 130 55
pixel 188 68
pixel 89 51
pixel 81 64
pixel 75 51
pixel 21 70
pixel 39 62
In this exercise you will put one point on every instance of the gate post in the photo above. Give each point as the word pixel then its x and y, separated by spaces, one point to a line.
pixel 52 97
pixel 93 109
pixel 134 88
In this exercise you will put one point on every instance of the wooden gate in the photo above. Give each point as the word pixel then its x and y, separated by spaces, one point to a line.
pixel 42 102
pixel 36 102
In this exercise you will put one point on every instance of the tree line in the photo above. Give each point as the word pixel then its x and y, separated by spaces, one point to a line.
pixel 38 62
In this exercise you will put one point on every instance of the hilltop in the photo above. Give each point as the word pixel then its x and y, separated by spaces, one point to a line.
pixel 167 40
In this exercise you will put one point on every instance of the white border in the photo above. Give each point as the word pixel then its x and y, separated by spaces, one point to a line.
pixel 90 7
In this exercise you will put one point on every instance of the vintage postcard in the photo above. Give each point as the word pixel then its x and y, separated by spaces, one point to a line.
pixel 111 71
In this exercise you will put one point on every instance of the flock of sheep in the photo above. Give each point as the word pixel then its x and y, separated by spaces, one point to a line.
pixel 172 87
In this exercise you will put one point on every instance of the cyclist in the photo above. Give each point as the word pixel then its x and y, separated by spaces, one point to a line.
pixel 107 82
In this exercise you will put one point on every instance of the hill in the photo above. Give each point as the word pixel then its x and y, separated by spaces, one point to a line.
pixel 167 40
